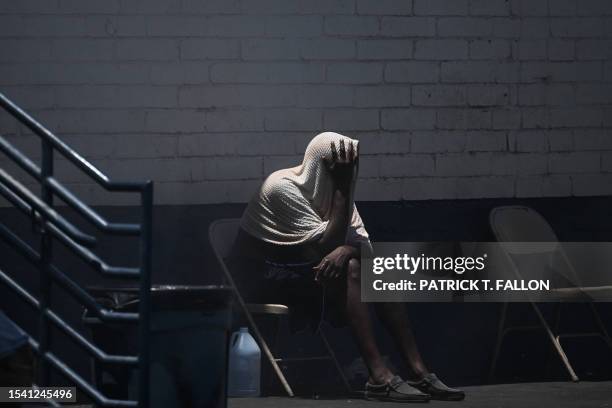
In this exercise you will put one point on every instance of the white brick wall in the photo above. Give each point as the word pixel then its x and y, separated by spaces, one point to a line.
pixel 450 98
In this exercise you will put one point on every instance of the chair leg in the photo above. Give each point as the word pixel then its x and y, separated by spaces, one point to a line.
pixel 277 320
pixel 556 343
pixel 498 343
pixel 332 355
pixel 263 345
pixel 556 323
pixel 600 325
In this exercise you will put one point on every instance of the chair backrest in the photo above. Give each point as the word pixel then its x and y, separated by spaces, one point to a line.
pixel 222 235
pixel 518 224
pixel 523 231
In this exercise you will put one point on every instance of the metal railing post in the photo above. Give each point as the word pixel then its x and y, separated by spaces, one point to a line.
pixel 46 254
pixel 145 294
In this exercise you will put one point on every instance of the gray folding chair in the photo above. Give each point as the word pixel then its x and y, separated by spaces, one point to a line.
pixel 523 224
pixel 222 234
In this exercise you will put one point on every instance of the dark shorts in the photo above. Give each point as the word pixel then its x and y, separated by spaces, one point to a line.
pixel 293 285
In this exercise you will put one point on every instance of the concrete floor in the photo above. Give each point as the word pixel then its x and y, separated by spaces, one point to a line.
pixel 524 395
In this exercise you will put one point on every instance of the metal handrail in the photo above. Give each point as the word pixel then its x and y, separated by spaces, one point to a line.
pixel 18 157
pixel 65 327
pixel 37 204
pixel 89 169
pixel 98 397
pixel 89 214
pixel 66 283
pixel 53 225
pixel 88 256
pixel 62 192
pixel 92 259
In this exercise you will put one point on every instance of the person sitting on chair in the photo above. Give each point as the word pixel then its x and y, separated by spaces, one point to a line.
pixel 300 244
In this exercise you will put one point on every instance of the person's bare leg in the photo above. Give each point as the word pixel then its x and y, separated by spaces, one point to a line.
pixel 395 319
pixel 360 323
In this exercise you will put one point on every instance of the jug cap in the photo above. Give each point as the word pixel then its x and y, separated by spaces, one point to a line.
pixel 244 330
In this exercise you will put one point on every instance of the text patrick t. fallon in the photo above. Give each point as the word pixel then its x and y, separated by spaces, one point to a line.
pixel 500 285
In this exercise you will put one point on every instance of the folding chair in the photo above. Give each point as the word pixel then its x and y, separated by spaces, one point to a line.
pixel 222 234
pixel 523 224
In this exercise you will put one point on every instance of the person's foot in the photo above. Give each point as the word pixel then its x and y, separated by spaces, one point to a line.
pixel 432 385
pixel 395 390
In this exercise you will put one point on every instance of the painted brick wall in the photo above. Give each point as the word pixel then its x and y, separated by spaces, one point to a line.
pixel 450 98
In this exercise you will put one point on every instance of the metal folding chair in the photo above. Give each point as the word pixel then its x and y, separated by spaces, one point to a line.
pixel 523 224
pixel 222 235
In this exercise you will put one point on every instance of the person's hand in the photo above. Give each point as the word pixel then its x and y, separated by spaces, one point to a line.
pixel 343 164
pixel 333 264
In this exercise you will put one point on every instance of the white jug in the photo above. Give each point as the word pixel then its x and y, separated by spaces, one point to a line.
pixel 244 365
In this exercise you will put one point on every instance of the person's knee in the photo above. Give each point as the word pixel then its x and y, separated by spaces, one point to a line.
pixel 354 270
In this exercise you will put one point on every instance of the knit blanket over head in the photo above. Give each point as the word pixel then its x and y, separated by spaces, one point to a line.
pixel 291 204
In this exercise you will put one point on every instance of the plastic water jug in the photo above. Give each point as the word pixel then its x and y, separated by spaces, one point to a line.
pixel 244 365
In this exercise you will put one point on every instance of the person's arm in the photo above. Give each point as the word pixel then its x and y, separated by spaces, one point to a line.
pixel 331 246
pixel 342 168
pixel 335 233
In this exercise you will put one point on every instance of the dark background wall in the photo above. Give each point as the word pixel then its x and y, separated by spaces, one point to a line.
pixel 457 339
